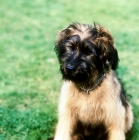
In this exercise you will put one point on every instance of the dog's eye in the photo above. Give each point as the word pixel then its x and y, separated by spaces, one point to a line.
pixel 71 48
pixel 88 48
pixel 90 52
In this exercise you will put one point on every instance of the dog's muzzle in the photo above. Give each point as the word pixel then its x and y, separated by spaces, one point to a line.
pixel 70 68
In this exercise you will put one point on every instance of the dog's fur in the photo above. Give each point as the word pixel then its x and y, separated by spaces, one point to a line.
pixel 88 60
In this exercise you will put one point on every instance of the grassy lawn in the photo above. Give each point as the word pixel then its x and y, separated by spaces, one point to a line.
pixel 29 73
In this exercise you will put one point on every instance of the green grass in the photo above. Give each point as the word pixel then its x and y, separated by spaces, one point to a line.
pixel 29 77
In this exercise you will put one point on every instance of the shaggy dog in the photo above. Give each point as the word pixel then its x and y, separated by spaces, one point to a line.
pixel 93 104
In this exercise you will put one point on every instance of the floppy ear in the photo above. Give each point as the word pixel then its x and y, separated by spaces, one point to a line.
pixel 60 40
pixel 62 36
pixel 105 45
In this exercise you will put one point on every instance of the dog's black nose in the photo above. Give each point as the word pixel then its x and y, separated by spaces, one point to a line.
pixel 70 68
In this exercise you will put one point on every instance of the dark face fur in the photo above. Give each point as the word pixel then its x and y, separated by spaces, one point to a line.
pixel 84 52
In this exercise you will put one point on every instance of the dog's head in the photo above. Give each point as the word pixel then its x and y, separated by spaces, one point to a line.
pixel 84 50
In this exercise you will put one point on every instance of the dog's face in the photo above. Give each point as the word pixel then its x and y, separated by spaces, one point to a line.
pixel 85 51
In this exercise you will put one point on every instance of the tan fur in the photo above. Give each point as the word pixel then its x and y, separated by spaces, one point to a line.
pixel 83 33
pixel 101 105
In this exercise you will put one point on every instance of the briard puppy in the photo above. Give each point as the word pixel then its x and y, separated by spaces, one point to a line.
pixel 93 104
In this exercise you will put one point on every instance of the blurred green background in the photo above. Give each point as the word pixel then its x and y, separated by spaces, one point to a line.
pixel 29 72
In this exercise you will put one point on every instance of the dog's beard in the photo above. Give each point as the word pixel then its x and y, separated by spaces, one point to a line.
pixel 79 75
pixel 76 77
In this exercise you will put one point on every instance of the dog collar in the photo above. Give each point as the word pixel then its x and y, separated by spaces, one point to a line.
pixel 98 82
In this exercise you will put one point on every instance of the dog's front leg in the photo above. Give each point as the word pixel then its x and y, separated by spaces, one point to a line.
pixel 64 127
pixel 116 134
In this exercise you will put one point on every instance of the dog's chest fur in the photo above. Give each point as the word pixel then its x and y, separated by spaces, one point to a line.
pixel 92 107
